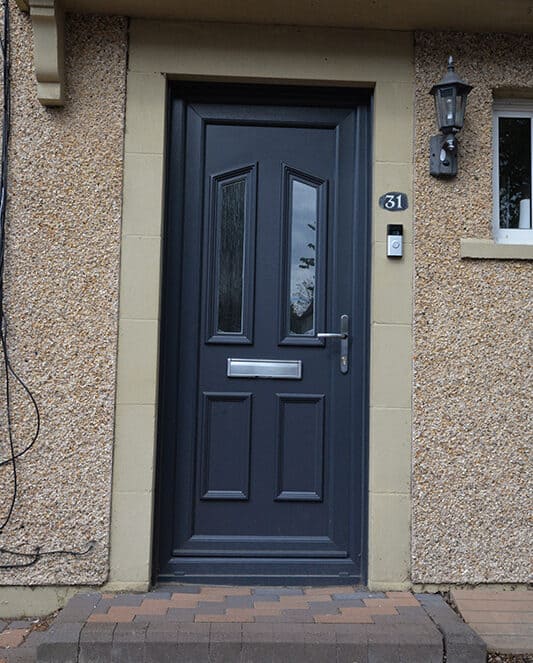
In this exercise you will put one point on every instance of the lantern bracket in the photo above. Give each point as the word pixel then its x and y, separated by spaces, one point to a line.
pixel 443 155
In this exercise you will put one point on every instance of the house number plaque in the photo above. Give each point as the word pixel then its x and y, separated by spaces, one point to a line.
pixel 394 201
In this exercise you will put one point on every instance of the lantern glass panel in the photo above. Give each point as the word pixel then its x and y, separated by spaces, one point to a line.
pixel 460 110
pixel 446 108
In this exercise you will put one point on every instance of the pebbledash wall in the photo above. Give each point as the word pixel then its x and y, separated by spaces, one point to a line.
pixel 62 280
pixel 473 399
pixel 70 217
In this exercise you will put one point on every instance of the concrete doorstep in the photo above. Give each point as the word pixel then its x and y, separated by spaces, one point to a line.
pixel 255 625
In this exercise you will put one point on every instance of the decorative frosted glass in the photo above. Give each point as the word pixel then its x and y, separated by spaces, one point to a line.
pixel 231 259
pixel 515 172
pixel 304 215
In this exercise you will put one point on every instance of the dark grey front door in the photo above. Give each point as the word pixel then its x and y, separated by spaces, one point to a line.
pixel 262 471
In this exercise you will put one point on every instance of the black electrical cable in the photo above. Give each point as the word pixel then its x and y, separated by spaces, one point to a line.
pixel 33 557
pixel 37 554
pixel 3 205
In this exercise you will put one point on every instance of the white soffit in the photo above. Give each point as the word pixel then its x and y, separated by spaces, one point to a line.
pixel 475 16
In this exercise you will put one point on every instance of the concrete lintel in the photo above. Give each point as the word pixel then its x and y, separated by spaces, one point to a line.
pixel 48 28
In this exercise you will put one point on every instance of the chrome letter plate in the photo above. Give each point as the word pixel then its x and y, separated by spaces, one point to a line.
pixel 265 368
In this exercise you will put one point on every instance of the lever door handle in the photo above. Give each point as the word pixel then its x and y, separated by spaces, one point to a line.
pixel 343 337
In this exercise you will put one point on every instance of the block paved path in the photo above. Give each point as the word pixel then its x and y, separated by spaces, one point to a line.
pixel 503 619
pixel 214 624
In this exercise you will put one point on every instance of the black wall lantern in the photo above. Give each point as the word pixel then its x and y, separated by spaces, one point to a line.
pixel 450 95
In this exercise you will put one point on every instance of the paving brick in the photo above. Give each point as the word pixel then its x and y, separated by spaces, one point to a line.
pixel 319 633
pixel 239 602
pixel 13 637
pixel 162 632
pixel 304 600
pixel 193 652
pixel 509 644
pixel 506 617
pixel 347 616
pixel 351 632
pixel 193 633
pixel 79 607
pixel 277 591
pixel 128 643
pixel 61 644
pixel 35 638
pixel 285 632
pixel 288 651
pixel 212 608
pixel 275 605
pixel 482 605
pixel 152 619
pixel 383 644
pixel 321 652
pixel 131 600
pixel 349 596
pixel 224 652
pixel 265 598
pixel 504 629
pixel 297 616
pixel 114 614
pixel 181 614
pixel 487 595
pixel 161 643
pixel 267 619
pixel 21 655
pixel 160 652
pixel 317 591
pixel 225 633
pixel 184 601
pixel 150 607
pixel 102 606
pixel 158 596
pixel 404 616
pixel 226 617
pixel 257 633
pixel 324 609
pixel 352 643
pixel 258 652
pixel 461 643
pixel 96 641
pixel 181 589
pixel 93 632
pixel 20 624
pixel 225 591
pixel 382 606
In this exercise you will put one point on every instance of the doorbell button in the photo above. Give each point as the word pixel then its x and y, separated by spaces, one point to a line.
pixel 394 240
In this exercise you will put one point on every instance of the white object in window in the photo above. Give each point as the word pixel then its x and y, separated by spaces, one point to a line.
pixel 513 171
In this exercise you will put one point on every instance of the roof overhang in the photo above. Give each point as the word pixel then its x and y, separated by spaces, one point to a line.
pixel 482 16
pixel 474 16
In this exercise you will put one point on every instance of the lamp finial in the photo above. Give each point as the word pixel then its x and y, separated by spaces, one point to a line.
pixel 450 63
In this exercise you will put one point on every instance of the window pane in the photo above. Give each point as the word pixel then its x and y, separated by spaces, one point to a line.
pixel 230 273
pixel 303 255
pixel 515 172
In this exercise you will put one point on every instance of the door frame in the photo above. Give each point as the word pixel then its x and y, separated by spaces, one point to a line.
pixel 178 95
pixel 263 54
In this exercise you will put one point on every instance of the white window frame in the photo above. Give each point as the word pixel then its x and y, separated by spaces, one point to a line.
pixel 508 108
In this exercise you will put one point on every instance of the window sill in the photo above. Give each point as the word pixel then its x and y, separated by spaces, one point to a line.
pixel 487 249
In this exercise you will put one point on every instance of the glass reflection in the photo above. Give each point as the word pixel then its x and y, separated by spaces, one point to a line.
pixel 231 260
pixel 515 172
pixel 303 257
